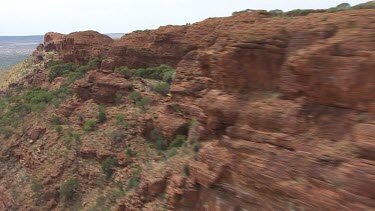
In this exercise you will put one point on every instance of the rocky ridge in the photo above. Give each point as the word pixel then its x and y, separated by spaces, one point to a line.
pixel 283 108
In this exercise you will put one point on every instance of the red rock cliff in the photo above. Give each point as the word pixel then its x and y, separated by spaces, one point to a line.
pixel 285 106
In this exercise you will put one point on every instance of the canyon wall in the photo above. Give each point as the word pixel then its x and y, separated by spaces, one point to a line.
pixel 284 105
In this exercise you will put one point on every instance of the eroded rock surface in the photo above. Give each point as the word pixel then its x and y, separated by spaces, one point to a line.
pixel 283 109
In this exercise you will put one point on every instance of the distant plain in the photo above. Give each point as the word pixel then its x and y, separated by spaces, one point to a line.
pixel 14 49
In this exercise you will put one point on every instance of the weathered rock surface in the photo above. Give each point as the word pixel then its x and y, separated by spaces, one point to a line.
pixel 280 103
pixel 51 39
pixel 36 132
pixel 276 98
pixel 284 108
pixel 101 87
pixel 78 47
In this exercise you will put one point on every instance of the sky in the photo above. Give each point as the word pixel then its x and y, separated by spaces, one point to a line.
pixel 36 17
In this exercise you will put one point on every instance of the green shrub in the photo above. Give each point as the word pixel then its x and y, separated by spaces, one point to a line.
pixel 343 6
pixel 6 132
pixel 14 108
pixel 94 64
pixel 102 117
pixel 125 71
pixel 56 120
pixel 108 166
pixel 276 12
pixel 82 69
pixel 58 129
pixel 120 121
pixel 159 142
pixel 90 125
pixel 140 31
pixel 303 12
pixel 71 70
pixel 76 136
pixel 367 5
pixel 36 187
pixel 100 201
pixel 176 108
pixel 171 152
pixel 143 103
pixel 193 122
pixel 134 179
pixel 68 138
pixel 60 69
pixel 162 72
pixel 178 141
pixel 67 189
pixel 196 146
pixel 113 195
pixel 130 153
pixel 298 12
pixel 135 96
pixel 242 11
pixel 162 88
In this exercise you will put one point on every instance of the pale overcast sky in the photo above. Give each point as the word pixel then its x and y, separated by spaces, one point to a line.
pixel 31 17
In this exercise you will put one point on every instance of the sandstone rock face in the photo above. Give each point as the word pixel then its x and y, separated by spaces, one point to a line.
pixel 286 145
pixel 273 102
pixel 37 79
pixel 50 40
pixel 337 71
pixel 78 47
pixel 279 104
pixel 36 132
pixel 101 87
pixel 67 108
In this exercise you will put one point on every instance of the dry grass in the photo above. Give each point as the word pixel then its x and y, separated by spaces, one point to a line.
pixel 15 73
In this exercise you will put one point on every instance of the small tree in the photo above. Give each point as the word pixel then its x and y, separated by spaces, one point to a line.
pixel 67 189
pixel 36 187
pixel 125 71
pixel 343 6
pixel 130 153
pixel 94 63
pixel 162 88
pixel 178 141
pixel 90 125
pixel 58 129
pixel 135 96
pixel 108 166
pixel 160 143
pixel 143 103
pixel 134 179
pixel 102 117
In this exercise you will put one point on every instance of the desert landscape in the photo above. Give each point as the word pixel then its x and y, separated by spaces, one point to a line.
pixel 260 110
pixel 15 49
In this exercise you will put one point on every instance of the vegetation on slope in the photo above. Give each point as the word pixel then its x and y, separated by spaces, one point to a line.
pixel 107 122
pixel 303 12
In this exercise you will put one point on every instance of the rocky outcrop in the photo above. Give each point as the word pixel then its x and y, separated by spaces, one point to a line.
pixel 78 47
pixel 101 87
pixel 284 106
pixel 337 72
pixel 36 132
pixel 50 41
